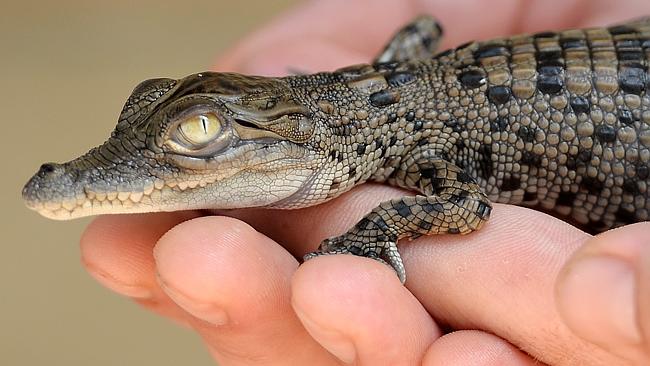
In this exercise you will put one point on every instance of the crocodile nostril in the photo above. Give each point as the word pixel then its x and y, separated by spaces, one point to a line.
pixel 47 168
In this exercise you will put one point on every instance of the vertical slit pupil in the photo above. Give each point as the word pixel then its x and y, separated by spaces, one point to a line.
pixel 204 123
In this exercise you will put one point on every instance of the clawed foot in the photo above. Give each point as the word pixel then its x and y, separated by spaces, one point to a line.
pixel 384 252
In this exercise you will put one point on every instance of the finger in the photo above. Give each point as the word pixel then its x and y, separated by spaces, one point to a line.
pixel 501 279
pixel 302 230
pixel 470 347
pixel 332 26
pixel 603 292
pixel 540 15
pixel 236 283
pixel 117 250
pixel 319 36
pixel 602 13
pixel 358 310
pixel 328 37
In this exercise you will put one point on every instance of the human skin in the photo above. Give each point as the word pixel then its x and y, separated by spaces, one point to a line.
pixel 526 289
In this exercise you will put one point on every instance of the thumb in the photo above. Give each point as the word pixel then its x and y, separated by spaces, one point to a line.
pixel 603 292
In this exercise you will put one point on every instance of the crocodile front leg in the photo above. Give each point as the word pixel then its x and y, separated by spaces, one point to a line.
pixel 452 203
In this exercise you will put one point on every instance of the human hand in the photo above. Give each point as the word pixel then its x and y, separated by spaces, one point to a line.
pixel 510 294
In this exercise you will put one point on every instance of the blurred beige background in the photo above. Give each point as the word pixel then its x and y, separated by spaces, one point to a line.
pixel 66 68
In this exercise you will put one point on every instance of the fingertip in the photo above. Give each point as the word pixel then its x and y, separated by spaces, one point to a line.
pixel 235 284
pixel 353 306
pixel 117 250
pixel 472 347
pixel 602 291
pixel 219 269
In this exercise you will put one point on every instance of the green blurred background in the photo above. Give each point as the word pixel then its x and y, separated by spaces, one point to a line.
pixel 66 68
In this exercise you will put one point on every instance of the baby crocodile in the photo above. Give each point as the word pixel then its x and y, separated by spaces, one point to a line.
pixel 558 121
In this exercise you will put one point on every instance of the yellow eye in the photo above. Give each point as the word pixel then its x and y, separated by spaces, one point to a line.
pixel 200 129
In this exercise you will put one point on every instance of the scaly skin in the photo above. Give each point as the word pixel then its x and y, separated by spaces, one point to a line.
pixel 556 121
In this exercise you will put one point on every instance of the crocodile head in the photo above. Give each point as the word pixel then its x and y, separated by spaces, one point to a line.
pixel 210 140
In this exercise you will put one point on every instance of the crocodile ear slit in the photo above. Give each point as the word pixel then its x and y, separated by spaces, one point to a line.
pixel 261 115
pixel 286 119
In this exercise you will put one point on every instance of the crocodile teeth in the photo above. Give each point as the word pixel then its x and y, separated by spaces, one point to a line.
pixel 148 188
pixel 100 196
pixel 159 183
pixel 123 196
pixel 69 204
pixel 136 196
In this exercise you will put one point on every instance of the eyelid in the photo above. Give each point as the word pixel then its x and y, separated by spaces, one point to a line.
pixel 181 112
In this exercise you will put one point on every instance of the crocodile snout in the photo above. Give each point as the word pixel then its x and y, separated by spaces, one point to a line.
pixel 53 188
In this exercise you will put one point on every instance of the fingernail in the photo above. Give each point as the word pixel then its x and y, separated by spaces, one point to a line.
pixel 596 297
pixel 335 342
pixel 206 311
pixel 122 288
pixel 135 292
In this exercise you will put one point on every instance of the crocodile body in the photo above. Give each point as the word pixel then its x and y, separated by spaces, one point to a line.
pixel 558 121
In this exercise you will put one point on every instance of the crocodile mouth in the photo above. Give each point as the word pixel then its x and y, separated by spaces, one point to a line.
pixel 65 200
pixel 88 202
pixel 63 192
